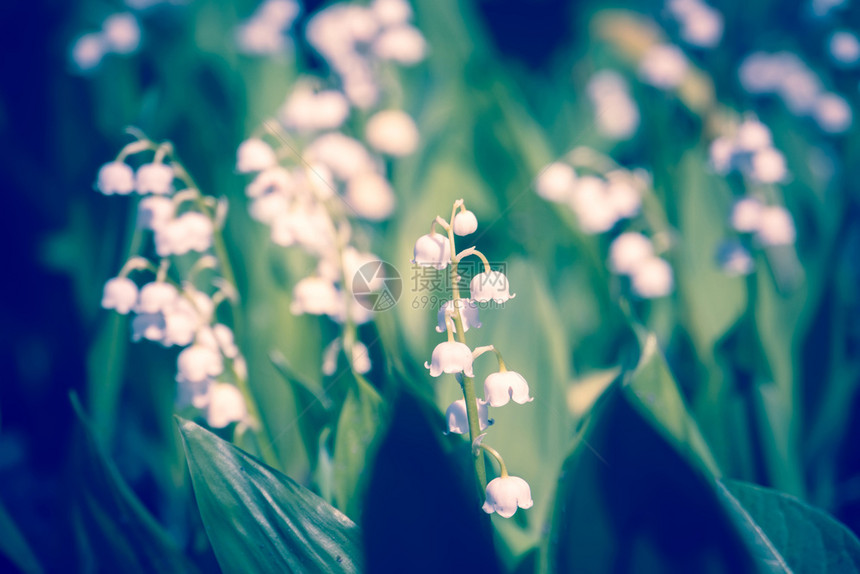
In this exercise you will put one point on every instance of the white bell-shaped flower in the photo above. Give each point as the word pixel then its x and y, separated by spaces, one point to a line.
pixel 269 207
pixel 392 132
pixel 746 215
pixel 776 227
pixel 652 278
pixel 403 44
pixel 360 357
pixel 154 211
pixel 198 362
pixel 505 494
pixel 556 182
pixel 219 337
pixel 254 155
pixel 186 317
pixel 88 51
pixel 768 166
pixel 259 37
pixel 120 294
pixel 344 156
pixel 752 135
pixel 663 66
pixel 490 286
pixel 465 223
pixel 115 177
pixel 154 178
pixel 432 250
pixel 627 251
pixel 832 113
pixel 121 33
pixel 391 12
pixel 623 197
pixel 191 231
pixel 450 357
pixel 721 153
pixel 590 201
pixel 307 111
pixel 192 394
pixel 155 297
pixel 458 418
pixel 358 313
pixel 734 259
pixel 370 196
pixel 468 313
pixel 501 387
pixel 314 296
pixel 226 405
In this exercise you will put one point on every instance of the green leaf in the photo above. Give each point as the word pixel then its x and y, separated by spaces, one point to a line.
pixel 800 538
pixel 629 501
pixel 355 438
pixel 119 532
pixel 259 520
pixel 14 546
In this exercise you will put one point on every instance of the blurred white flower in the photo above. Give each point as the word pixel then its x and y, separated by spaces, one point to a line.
pixel 308 111
pixel 272 180
pixel 663 66
pixel 257 37
pixel 844 47
pixel 502 387
pixel 219 337
pixel 556 182
pixel 616 115
pixel 360 357
pixel 652 278
pixel 269 207
pixel 721 152
pixel 752 135
pixel 832 113
pixel 623 197
pixel 121 33
pixel 703 27
pixel 432 250
pixel 505 494
pixel 768 166
pixel 314 296
pixel 370 196
pixel 281 13
pixel 490 286
pixel 88 51
pixel 191 231
pixel 392 132
pixel 155 297
pixel 468 314
pixel 450 357
pixel 776 227
pixel 343 155
pixel 154 178
pixel 627 251
pixel 115 177
pixel 197 363
pixel 403 44
pixel 148 326
pixel 391 12
pixel 254 155
pixel 185 317
pixel 746 215
pixel 226 405
pixel 465 223
pixel 591 204
pixel 120 294
pixel 458 418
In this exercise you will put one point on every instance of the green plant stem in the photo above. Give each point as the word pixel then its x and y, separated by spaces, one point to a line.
pixel 468 383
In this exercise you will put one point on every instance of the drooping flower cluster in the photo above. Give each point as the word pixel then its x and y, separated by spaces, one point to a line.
pixel 750 151
pixel 266 31
pixel 602 200
pixel 327 171
pixel 119 34
pixel 470 415
pixel 174 309
pixel 785 75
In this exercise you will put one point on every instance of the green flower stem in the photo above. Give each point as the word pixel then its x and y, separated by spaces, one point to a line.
pixel 467 384
pixel 503 470
pixel 269 456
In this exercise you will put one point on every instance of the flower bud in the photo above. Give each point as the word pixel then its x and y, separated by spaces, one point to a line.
pixel 465 223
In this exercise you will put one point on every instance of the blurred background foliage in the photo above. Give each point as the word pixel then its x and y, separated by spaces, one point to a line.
pixel 760 377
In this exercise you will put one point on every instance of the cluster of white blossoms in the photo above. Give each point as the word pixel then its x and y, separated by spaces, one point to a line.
pixel 454 357
pixel 601 200
pixel 749 150
pixel 175 310
pixel 758 225
pixel 266 31
pixel 663 66
pixel 119 34
pixel 355 39
pixel 616 114
pixel 785 75
pixel 700 25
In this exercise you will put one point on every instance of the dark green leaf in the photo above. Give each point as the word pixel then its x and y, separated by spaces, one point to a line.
pixel 799 537
pixel 120 533
pixel 259 520
pixel 14 546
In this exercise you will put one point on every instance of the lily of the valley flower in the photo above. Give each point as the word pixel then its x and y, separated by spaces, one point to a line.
pixel 458 419
pixel 501 387
pixel 490 286
pixel 505 494
pixel 226 405
pixel 115 177
pixel 465 223
pixel 154 178
pixel 155 297
pixel 432 250
pixel 120 294
pixel 198 362
pixel 254 155
pixel 450 357
pixel 468 313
